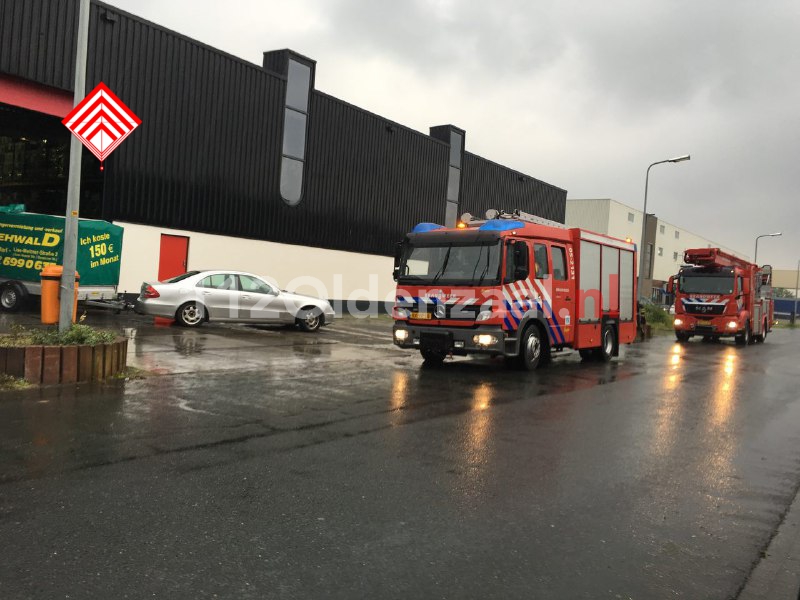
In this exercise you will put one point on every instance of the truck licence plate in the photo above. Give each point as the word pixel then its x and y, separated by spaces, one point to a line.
pixel 703 321
pixel 419 315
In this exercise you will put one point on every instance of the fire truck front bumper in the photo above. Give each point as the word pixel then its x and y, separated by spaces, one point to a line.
pixel 461 341
pixel 718 326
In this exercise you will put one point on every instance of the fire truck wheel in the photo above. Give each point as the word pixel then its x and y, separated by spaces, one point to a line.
pixel 431 358
pixel 533 352
pixel 682 336
pixel 12 296
pixel 606 351
pixel 744 339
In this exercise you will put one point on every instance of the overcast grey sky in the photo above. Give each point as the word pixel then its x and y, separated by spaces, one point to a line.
pixel 583 95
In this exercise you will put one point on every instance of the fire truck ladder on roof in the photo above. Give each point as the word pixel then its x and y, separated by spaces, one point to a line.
pixel 516 215
pixel 708 257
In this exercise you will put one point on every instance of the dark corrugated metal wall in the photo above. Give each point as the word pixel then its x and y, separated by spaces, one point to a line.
pixel 207 156
pixel 37 40
pixel 485 184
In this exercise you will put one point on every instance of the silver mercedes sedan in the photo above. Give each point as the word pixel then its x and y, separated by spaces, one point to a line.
pixel 229 296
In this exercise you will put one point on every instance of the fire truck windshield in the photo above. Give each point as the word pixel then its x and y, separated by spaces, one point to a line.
pixel 706 284
pixel 451 264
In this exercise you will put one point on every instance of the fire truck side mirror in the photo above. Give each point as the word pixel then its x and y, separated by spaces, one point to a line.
pixel 398 252
pixel 671 285
pixel 745 286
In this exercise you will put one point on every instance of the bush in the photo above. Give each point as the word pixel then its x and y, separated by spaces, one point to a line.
pixel 655 315
pixel 74 336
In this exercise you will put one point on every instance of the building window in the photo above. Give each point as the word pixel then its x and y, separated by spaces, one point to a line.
pixel 675 256
pixel 660 251
pixel 295 127
pixel 630 217
pixel 454 177
pixel 677 234
pixel 662 228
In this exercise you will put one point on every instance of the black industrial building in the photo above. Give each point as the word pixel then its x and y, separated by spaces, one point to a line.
pixel 230 147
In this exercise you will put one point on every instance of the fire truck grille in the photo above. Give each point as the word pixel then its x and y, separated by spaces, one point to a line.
pixel 454 312
pixel 704 309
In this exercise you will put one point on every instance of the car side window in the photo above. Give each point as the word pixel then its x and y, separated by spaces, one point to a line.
pixel 220 281
pixel 540 261
pixel 251 284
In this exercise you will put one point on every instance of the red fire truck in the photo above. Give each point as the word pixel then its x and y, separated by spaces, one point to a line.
pixel 718 294
pixel 513 285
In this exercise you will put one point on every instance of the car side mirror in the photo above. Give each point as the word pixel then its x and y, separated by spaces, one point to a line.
pixel 521 270
pixel 671 285
pixel 745 286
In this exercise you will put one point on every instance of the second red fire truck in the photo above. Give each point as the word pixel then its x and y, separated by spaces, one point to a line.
pixel 718 294
pixel 513 285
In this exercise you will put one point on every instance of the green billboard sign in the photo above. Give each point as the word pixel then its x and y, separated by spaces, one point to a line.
pixel 29 242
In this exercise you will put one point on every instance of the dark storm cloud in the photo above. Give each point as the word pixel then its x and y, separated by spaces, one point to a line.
pixel 582 94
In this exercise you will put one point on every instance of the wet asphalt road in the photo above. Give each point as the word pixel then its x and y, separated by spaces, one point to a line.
pixel 267 463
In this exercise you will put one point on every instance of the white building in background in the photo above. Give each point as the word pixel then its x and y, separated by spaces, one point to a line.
pixel 664 245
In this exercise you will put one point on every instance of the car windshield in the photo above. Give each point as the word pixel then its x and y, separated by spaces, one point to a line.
pixel 181 277
pixel 453 264
pixel 706 284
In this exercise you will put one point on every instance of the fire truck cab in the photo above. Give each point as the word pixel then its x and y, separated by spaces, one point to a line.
pixel 719 295
pixel 513 285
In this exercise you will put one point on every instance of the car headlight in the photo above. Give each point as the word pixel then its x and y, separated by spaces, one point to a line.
pixel 484 315
pixel 678 322
pixel 401 335
pixel 484 339
pixel 733 325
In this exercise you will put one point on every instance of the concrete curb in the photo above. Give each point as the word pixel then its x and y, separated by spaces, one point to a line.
pixel 777 575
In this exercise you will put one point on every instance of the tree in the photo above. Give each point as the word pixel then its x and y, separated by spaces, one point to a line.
pixel 782 293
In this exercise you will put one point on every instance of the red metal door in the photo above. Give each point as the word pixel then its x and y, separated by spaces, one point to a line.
pixel 174 256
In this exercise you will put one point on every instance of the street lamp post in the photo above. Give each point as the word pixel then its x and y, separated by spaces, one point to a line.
pixel 644 213
pixel 755 254
pixel 796 282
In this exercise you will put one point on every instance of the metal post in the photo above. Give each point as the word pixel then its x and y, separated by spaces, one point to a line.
pixel 796 282
pixel 644 218
pixel 74 185
pixel 644 230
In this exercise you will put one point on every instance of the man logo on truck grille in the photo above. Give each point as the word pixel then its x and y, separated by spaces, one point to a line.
pixel 101 121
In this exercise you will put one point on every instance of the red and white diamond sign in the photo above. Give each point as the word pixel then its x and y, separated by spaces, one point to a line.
pixel 101 121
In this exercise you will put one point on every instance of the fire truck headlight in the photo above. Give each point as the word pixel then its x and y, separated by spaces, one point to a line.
pixel 401 335
pixel 733 325
pixel 484 339
pixel 401 313
pixel 678 322
pixel 484 315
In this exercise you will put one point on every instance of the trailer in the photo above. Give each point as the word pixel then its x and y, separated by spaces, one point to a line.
pixel 513 285
pixel 29 242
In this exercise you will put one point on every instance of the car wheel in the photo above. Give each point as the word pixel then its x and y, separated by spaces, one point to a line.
pixel 682 336
pixel 309 318
pixel 191 314
pixel 12 296
pixel 431 358
pixel 532 353
pixel 609 339
pixel 744 339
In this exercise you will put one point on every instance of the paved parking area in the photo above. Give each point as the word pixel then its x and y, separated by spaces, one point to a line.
pixel 266 462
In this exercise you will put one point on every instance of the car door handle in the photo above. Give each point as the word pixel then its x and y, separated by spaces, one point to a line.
pixel 245 297
pixel 206 293
pixel 568 299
